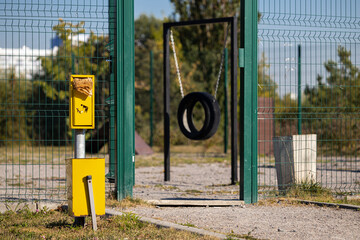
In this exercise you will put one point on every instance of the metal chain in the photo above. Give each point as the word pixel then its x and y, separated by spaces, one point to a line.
pixel 222 62
pixel 176 64
pixel 178 69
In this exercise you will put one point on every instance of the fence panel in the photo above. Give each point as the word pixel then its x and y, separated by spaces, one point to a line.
pixel 42 43
pixel 309 83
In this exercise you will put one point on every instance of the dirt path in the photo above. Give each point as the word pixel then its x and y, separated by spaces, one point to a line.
pixel 211 181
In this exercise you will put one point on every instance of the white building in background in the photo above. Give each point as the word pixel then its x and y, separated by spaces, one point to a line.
pixel 24 61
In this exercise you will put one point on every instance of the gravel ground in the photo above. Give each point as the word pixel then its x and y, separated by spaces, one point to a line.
pixel 211 181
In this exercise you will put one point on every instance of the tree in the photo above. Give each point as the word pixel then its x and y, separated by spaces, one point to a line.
pixel 266 86
pixel 148 37
pixel 49 101
pixel 13 92
pixel 332 104
pixel 202 45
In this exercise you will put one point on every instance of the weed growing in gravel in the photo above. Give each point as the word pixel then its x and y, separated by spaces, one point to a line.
pixel 126 203
pixel 307 190
pixel 193 192
pixel 240 236
pixel 166 187
pixel 313 192
pixel 187 224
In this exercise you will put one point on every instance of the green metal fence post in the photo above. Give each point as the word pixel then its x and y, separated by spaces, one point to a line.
pixel 226 102
pixel 248 101
pixel 299 89
pixel 112 108
pixel 151 99
pixel 125 100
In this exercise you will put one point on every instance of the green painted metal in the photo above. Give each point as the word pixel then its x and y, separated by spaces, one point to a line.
pixel 112 107
pixel 248 102
pixel 226 87
pixel 299 90
pixel 125 98
pixel 241 58
pixel 151 99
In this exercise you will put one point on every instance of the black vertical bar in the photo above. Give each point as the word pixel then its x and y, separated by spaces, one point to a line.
pixel 234 132
pixel 226 120
pixel 166 103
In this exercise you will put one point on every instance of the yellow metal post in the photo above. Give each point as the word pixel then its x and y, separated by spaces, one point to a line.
pixel 82 116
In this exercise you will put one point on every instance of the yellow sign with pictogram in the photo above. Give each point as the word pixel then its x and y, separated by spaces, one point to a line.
pixel 82 101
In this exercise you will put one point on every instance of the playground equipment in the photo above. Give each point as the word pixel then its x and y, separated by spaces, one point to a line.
pixel 208 102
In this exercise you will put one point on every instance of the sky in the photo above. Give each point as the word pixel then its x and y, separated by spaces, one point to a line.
pixel 12 29
pixel 158 8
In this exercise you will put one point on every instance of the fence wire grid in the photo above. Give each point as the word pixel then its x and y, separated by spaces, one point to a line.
pixel 309 95
pixel 42 43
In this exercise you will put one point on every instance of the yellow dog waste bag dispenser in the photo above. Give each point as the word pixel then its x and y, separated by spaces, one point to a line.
pixel 82 116
pixel 82 101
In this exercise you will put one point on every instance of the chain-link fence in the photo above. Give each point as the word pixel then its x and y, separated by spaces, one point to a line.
pixel 42 43
pixel 309 79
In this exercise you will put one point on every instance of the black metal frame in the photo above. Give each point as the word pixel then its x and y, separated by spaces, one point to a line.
pixel 233 52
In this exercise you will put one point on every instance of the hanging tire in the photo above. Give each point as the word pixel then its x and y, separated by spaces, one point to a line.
pixel 211 111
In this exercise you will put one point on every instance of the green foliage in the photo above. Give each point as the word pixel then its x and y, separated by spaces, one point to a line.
pixel 148 36
pixel 187 224
pixel 306 190
pixel 49 101
pixel 201 45
pixel 13 91
pixel 332 103
pixel 266 86
pixel 130 222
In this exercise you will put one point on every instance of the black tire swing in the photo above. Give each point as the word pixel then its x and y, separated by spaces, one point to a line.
pixel 212 115
pixel 208 102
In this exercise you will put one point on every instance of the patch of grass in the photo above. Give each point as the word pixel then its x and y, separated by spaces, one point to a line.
pixel 307 190
pixel 16 184
pixel 241 236
pixel 313 192
pixel 193 191
pixel 166 187
pixel 127 203
pixel 25 224
pixel 223 185
pixel 187 224
pixel 222 192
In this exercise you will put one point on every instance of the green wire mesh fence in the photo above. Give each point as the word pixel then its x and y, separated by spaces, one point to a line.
pixel 42 43
pixel 309 95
